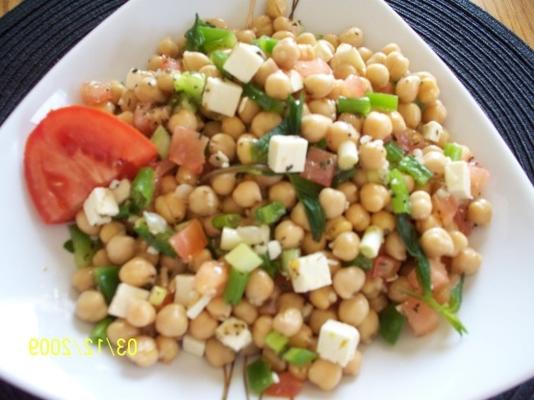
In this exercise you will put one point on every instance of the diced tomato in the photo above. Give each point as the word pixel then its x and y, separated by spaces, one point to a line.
pixel 438 276
pixel 479 179
pixel 460 219
pixel 142 119
pixel 384 267
pixel 94 92
pixel 446 206
pixel 188 149
pixel 408 140
pixel 190 240
pixel 170 64
pixel 353 86
pixel 313 67
pixel 289 386
pixel 75 149
pixel 320 166
pixel 421 318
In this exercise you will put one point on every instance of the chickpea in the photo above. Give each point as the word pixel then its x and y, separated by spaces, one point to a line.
pixel 126 116
pixel 147 352
pixel 435 162
pixel 194 60
pixel 246 36
pixel 168 47
pixel 100 258
pixel 172 264
pixel 84 225
pixel 325 374
pixel 290 300
pixel 310 245
pixel 460 242
pixel 171 207
pixel 298 216
pixel 229 206
pixel 121 329
pixel 274 360
pixel 223 184
pixel 266 69
pixel 378 74
pixel 435 112
pixel 211 128
pixel 368 328
pixel 352 119
pixel 262 25
pixel 428 91
pixel 289 234
pixel 354 365
pixel 377 58
pixel 283 192
pixel 211 277
pixel 377 125
pixel 246 194
pixel 315 127
pixel 397 65
pixel 267 181
pixel 319 85
pixel 172 320
pixel 263 122
pixel 420 205
pixel 374 197
pixel 373 155
pixel 168 184
pixel 480 212
pixel 326 107
pixel 260 329
pixel 346 246
pixel 155 62
pixel 186 176
pixel 203 201
pixel 467 262
pixel 167 348
pixel 286 53
pixel 203 327
pixel 288 322
pixel 299 371
pixel 333 202
pixel 348 281
pixel 138 272
pixel 379 303
pixel 358 217
pixel 343 71
pixel 303 338
pixel 411 114
pixel 339 132
pixel 224 143
pixel 246 312
pixel 407 88
pixel 91 306
pixel 354 310
pixel 399 289
pixel 147 91
pixel 185 118
pixel 218 354
pixel 278 85
pixel 140 313
pixel 259 287
pixel 350 190
pixel 395 247
pixel 319 317
pixel 83 279
pixel 323 298
pixel 336 227
pixel 352 36
pixel 219 309
pixel 282 23
pixel 120 249
pixel 384 220
pixel 244 148
pixel 436 242
pixel 433 221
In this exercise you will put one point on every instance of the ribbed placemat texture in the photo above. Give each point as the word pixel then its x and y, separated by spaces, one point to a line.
pixel 495 66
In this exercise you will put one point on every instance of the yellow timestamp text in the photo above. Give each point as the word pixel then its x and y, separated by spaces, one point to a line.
pixel 67 347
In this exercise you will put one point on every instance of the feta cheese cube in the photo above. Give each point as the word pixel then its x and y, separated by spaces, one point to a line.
pixel 252 235
pixel 199 306
pixel 274 249
pixel 347 155
pixel 337 342
pixel 324 50
pixel 221 96
pixel 244 62
pixel 100 206
pixel 310 272
pixel 124 297
pixel 287 153
pixel 458 179
pixel 193 346
pixel 185 293
pixel 156 223
pixel 433 131
pixel 295 80
pixel 234 333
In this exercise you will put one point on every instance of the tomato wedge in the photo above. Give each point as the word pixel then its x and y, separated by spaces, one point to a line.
pixel 75 149
pixel 320 166
pixel 188 149
pixel 289 386
pixel 190 240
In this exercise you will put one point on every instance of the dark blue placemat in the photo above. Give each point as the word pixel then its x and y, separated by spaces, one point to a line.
pixel 496 66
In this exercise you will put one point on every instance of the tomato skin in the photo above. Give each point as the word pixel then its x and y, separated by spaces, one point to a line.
pixel 75 149
pixel 190 240
pixel 289 386
pixel 421 318
pixel 460 219
pixel 313 67
pixel 320 166
pixel 188 149
pixel 438 276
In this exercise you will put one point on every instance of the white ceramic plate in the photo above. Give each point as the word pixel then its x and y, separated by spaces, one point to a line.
pixel 35 296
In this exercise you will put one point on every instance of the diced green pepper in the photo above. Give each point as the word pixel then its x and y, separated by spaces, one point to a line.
pixel 453 151
pixel 409 165
pixel 266 44
pixel 259 375
pixel 235 287
pixel 276 341
pixel 226 220
pixel 360 105
pixel 218 58
pixel 191 84
pixel 299 356
pixel 162 141
pixel 383 101
pixel 99 332
pixel 82 246
pixel 394 152
pixel 107 280
pixel 270 213
pixel 143 188
pixel 243 258
pixel 217 38
pixel 400 199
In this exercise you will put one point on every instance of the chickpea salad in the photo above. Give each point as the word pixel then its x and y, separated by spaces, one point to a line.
pixel 267 192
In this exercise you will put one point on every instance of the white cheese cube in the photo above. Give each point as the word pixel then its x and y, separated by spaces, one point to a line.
pixel 234 333
pixel 253 235
pixel 295 80
pixel 371 241
pixel 310 272
pixel 458 179
pixel 244 62
pixel 287 153
pixel 124 297
pixel 230 238
pixel 199 306
pixel 193 346
pixel 433 131
pixel 337 342
pixel 347 155
pixel 156 223
pixel 274 249
pixel 324 50
pixel 185 293
pixel 221 96
pixel 100 206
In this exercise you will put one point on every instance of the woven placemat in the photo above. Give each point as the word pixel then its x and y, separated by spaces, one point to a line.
pixel 495 66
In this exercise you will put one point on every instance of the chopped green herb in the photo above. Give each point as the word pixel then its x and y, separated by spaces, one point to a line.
pixel 250 169
pixel 270 213
pixel 308 194
pixel 260 97
pixel 343 176
pixel 383 101
pixel 294 114
pixel 361 105
pixel 445 311
pixel 394 152
pixel 391 323
pixel 218 58
pixel 69 246
pixel 455 300
pixel 322 144
pixel 206 38
pixel 107 280
pixel 270 266
pixel 99 333
pixel 400 199
pixel 259 375
pixel 299 356
pixel 266 43
pixel 453 151
pixel 235 287
pixel 160 241
pixel 276 341
pixel 82 246
pixel 226 220
pixel 143 188
pixel 191 85
pixel 162 140
pixel 288 256
pixel 409 165
pixel 361 262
